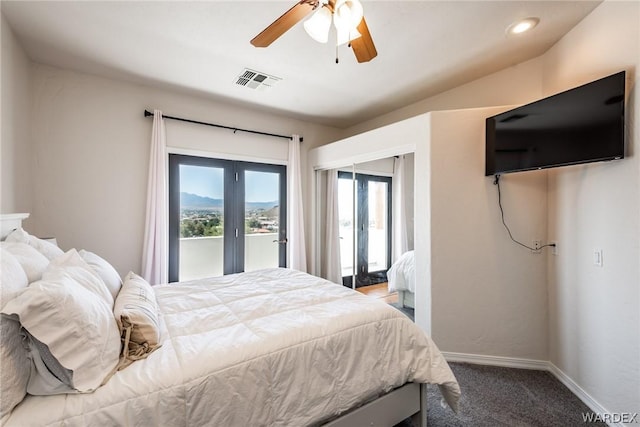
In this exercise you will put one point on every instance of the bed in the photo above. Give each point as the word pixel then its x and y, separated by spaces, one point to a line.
pixel 275 347
pixel 402 279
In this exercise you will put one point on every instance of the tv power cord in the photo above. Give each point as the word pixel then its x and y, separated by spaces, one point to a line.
pixel 496 182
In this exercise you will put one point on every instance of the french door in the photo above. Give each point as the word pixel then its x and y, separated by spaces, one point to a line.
pixel 225 217
pixel 364 210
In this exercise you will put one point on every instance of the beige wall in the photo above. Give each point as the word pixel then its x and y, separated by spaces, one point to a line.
pixel 16 163
pixel 488 295
pixel 91 143
pixel 594 311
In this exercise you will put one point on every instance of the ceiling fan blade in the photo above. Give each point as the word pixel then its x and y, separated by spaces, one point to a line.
pixel 281 25
pixel 363 46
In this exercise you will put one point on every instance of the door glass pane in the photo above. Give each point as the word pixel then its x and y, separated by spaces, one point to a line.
pixel 262 220
pixel 378 226
pixel 345 218
pixel 201 222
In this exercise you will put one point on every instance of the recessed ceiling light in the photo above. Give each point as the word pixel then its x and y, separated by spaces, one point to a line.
pixel 523 25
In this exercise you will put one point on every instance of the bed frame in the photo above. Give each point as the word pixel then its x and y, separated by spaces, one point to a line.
pixel 9 222
pixel 406 299
pixel 407 401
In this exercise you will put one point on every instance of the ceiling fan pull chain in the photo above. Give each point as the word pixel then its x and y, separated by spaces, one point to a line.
pixel 337 54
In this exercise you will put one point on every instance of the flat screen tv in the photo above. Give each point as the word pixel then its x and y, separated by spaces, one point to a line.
pixel 581 125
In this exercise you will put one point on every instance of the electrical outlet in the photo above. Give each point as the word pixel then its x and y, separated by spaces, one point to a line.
pixel 537 244
pixel 597 257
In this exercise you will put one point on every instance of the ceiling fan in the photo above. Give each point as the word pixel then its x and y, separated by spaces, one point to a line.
pixel 347 17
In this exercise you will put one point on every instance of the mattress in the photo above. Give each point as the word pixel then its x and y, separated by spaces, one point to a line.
pixel 273 347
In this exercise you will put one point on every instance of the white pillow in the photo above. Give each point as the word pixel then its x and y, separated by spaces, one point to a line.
pixel 33 262
pixel 105 270
pixel 14 361
pixel 76 325
pixel 71 265
pixel 136 311
pixel 47 249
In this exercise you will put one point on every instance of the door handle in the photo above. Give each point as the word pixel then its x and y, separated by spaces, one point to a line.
pixel 285 240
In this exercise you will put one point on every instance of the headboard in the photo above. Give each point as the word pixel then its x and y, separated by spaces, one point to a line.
pixel 9 222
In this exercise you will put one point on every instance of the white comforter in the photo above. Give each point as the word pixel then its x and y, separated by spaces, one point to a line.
pixel 274 347
pixel 402 274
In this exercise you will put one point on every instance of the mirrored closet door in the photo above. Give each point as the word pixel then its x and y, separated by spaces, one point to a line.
pixel 364 213
pixel 368 219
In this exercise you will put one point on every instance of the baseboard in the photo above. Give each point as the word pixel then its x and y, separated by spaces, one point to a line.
pixel 578 391
pixel 506 362
pixel 541 365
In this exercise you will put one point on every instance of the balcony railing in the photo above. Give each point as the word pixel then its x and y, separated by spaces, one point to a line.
pixel 203 256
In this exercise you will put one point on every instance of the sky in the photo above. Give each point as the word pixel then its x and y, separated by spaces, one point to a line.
pixel 209 181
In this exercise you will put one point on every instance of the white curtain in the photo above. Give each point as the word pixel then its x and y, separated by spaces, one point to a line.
pixel 399 244
pixel 155 250
pixel 296 254
pixel 332 265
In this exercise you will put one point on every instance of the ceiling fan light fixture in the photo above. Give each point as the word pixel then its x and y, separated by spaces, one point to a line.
pixel 357 12
pixel 347 13
pixel 345 35
pixel 347 16
pixel 318 25
pixel 354 34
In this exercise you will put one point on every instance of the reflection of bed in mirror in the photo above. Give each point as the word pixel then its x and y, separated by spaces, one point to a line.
pixel 402 279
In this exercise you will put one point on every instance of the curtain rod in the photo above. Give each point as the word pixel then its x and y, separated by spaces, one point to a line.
pixel 148 113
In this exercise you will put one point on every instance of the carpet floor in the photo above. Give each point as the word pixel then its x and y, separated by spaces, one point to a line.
pixel 496 396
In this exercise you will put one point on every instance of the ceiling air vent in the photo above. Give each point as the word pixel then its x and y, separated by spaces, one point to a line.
pixel 256 80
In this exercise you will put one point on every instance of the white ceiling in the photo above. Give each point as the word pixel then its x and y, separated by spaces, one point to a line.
pixel 424 48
